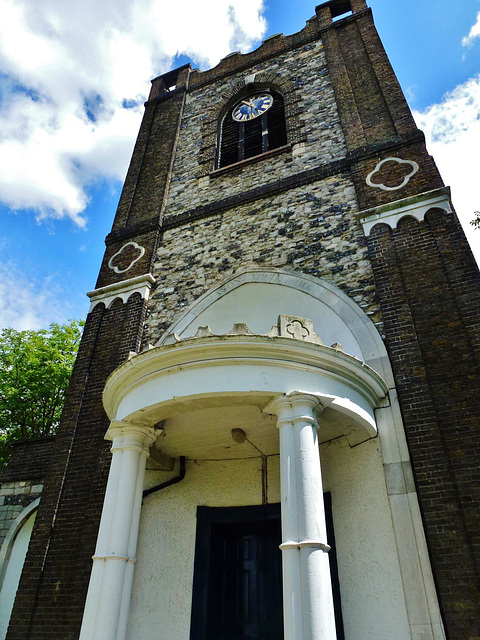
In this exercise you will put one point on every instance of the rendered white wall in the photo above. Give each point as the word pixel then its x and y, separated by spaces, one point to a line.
pixel 372 595
pixel 162 588
pixel 371 586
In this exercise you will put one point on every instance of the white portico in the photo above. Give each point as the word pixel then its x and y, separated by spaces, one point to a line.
pixel 263 371
pixel 289 393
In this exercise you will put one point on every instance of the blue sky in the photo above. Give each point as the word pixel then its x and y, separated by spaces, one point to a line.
pixel 73 78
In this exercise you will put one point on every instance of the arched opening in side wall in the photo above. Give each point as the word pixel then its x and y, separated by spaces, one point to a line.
pixel 12 558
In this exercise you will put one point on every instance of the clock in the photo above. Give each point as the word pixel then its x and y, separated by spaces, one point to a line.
pixel 252 107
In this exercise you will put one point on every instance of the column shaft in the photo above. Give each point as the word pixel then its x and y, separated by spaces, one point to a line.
pixel 108 598
pixel 307 591
pixel 292 601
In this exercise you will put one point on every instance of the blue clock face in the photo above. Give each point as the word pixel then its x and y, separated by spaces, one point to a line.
pixel 252 107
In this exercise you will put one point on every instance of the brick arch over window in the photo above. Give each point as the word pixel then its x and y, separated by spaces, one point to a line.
pixel 246 86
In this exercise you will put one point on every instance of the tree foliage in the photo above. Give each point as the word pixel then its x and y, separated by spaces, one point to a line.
pixel 35 369
pixel 476 221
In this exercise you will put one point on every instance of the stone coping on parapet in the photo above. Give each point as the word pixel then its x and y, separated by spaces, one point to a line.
pixel 414 206
pixel 123 289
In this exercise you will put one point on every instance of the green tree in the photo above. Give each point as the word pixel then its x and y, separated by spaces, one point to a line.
pixel 35 369
pixel 476 221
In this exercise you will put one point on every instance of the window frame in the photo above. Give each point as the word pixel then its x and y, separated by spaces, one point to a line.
pixel 264 134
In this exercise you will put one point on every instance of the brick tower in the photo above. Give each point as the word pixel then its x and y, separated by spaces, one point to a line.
pixel 286 187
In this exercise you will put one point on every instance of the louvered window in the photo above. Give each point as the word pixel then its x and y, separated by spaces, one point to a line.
pixel 243 140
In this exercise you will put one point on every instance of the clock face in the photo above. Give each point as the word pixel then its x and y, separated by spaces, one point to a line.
pixel 252 107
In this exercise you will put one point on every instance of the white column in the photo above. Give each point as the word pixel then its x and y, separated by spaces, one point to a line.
pixel 108 599
pixel 307 591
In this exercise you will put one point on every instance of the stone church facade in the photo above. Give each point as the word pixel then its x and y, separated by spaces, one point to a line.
pixel 272 424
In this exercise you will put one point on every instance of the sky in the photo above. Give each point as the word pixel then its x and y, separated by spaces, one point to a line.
pixel 73 79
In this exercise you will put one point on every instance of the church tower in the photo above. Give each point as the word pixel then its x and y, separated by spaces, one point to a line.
pixel 272 424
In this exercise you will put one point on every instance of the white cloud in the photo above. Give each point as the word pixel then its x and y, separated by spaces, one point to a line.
pixel 473 34
pixel 29 304
pixel 67 69
pixel 452 130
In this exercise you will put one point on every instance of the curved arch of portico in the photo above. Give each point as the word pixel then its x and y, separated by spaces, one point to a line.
pixel 258 296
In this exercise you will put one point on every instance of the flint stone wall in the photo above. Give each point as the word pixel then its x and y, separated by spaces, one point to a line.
pixel 312 231
pixel 303 76
pixel 310 228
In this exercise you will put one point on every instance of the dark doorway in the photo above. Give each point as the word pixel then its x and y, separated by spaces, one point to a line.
pixel 238 574
pixel 237 583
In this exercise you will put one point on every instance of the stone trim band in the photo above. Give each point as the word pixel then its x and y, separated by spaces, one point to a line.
pixel 305 544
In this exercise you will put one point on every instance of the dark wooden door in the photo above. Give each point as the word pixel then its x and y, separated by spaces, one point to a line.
pixel 245 582
pixel 237 583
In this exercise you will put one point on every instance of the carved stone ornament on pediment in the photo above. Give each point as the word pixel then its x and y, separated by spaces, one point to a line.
pixel 293 327
pixel 126 257
pixel 391 174
pixel 297 328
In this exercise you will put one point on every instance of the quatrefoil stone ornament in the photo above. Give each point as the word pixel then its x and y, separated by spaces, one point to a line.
pixel 126 257
pixel 297 330
pixel 396 177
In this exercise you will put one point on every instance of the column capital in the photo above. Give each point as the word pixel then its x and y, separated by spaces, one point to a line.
pixel 130 435
pixel 294 406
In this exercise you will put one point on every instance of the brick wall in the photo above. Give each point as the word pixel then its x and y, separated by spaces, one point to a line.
pixel 22 479
pixel 429 289
pixel 29 460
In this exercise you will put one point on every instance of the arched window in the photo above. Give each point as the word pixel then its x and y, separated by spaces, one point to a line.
pixel 12 557
pixel 253 125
